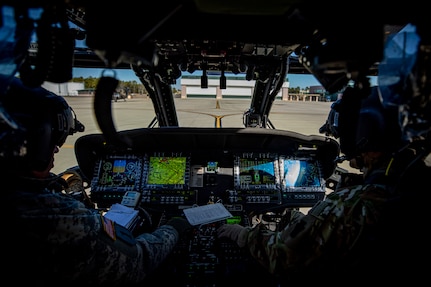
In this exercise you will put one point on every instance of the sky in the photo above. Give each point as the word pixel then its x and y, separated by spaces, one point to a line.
pixel 126 75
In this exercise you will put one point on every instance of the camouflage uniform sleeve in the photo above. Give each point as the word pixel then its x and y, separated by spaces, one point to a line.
pixel 333 225
pixel 157 245
pixel 69 244
pixel 126 260
pixel 131 263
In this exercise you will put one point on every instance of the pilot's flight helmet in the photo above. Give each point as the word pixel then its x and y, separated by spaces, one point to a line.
pixel 343 120
pixel 396 111
pixel 377 127
pixel 362 124
pixel 44 121
pixel 404 81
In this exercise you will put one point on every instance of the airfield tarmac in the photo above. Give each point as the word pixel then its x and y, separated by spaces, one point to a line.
pixel 298 116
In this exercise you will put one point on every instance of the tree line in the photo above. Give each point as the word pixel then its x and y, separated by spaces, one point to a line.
pixel 124 87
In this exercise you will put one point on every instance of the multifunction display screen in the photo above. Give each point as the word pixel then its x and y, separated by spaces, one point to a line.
pixel 118 173
pixel 167 171
pixel 301 175
pixel 256 171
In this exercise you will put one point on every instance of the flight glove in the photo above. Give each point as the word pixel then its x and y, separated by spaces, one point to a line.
pixel 234 232
pixel 180 224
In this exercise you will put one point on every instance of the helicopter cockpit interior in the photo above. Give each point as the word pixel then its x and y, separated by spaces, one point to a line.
pixel 256 171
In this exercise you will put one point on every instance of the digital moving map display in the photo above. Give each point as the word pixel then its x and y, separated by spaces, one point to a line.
pixel 167 172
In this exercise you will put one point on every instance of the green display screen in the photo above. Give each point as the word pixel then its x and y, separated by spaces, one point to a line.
pixel 167 170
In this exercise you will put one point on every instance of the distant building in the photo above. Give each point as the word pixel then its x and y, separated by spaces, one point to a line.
pixel 238 87
pixel 317 90
pixel 64 89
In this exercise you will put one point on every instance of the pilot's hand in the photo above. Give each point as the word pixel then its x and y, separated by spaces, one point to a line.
pixel 180 224
pixel 145 224
pixel 232 231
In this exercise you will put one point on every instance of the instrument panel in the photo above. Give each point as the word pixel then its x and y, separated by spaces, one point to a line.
pixel 255 173
pixel 180 180
pixel 177 168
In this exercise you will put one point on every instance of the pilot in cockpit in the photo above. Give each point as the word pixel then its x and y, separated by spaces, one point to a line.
pixel 50 237
pixel 54 239
pixel 371 231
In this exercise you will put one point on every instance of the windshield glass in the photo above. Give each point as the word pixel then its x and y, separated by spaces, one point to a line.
pixel 304 117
